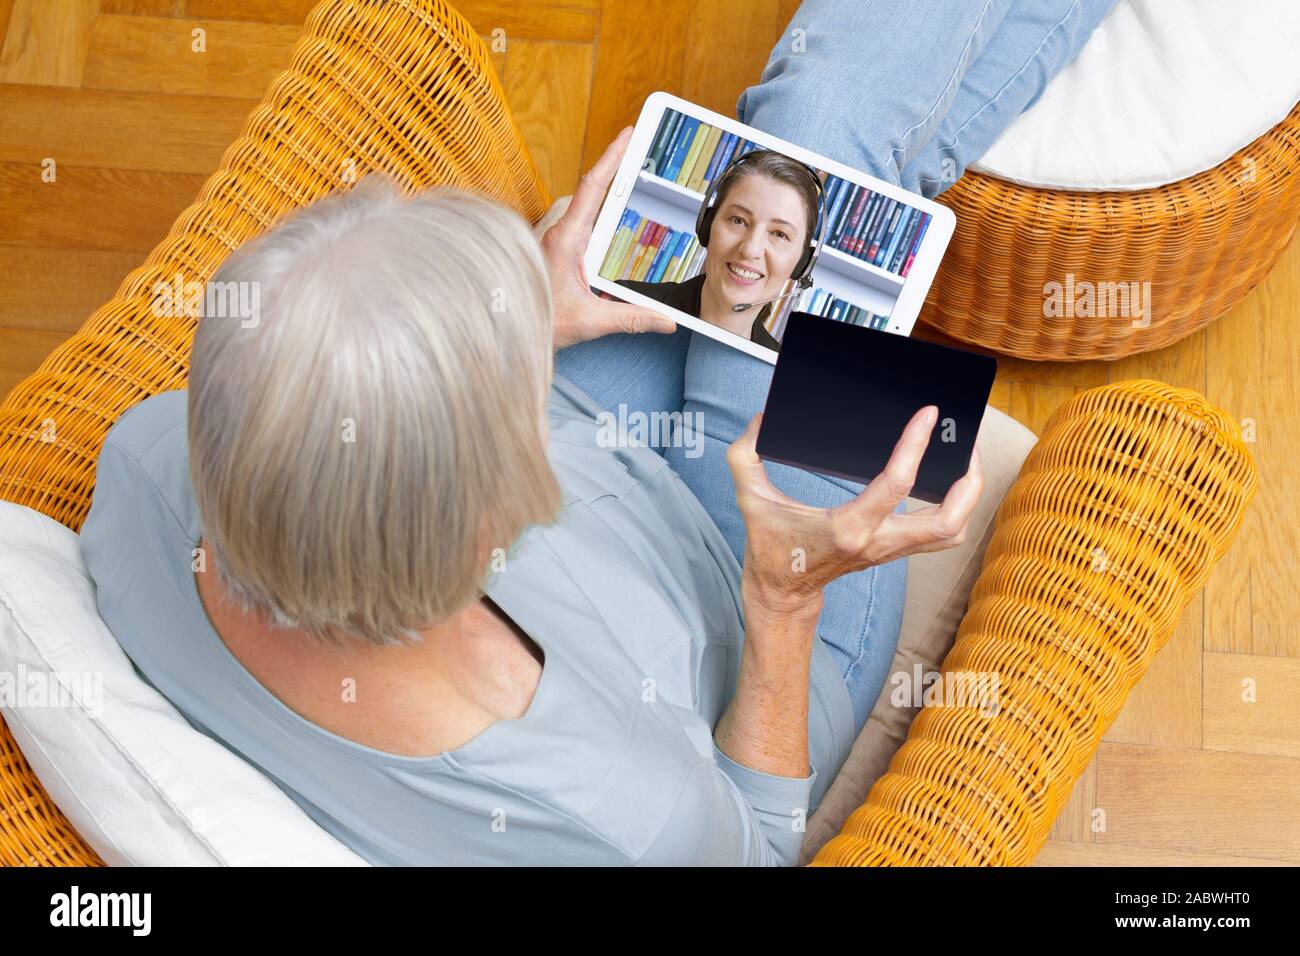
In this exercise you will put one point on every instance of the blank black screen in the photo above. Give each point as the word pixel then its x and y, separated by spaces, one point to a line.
pixel 841 395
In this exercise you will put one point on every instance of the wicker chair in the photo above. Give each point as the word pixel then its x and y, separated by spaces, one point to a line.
pixel 1202 243
pixel 1149 475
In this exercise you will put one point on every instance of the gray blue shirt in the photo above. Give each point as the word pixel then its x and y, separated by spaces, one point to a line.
pixel 632 595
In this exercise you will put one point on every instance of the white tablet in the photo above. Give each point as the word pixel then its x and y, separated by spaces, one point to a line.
pixel 730 231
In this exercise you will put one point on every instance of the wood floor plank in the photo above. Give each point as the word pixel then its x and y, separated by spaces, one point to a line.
pixel 1199 801
pixel 1065 853
pixel 55 289
pixel 1075 821
pixel 23 352
pixel 6 8
pixel 1032 404
pixel 725 53
pixel 115 130
pixel 547 85
pixel 143 8
pixel 116 210
pixel 1254 355
pixel 628 69
pixel 1165 707
pixel 46 42
pixel 1182 364
pixel 157 55
pixel 529 20
pixel 574 21
pixel 1025 371
pixel 292 12
pixel 1000 396
pixel 786 9
pixel 1267 724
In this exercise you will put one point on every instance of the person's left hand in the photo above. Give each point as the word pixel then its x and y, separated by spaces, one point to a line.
pixel 580 314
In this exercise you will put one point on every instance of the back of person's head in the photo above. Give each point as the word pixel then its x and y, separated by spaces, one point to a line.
pixel 362 444
pixel 779 168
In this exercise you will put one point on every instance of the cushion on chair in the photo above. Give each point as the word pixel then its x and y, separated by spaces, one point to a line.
pixel 1163 90
pixel 138 782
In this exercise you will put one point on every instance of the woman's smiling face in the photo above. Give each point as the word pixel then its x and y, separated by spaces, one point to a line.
pixel 758 235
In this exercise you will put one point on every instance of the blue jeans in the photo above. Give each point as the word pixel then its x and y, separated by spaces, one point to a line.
pixel 913 91
pixel 931 84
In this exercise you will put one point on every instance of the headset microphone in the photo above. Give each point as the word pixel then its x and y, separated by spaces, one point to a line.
pixel 802 284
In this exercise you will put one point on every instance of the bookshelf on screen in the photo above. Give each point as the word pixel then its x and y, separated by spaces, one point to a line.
pixel 871 239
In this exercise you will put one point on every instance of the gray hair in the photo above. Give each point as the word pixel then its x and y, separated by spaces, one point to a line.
pixel 361 449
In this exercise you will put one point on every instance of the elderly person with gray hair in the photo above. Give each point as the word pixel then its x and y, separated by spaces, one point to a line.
pixel 380 549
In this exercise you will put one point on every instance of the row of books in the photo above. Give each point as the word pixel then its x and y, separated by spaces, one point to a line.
pixel 691 153
pixel 866 225
pixel 873 227
pixel 649 251
pixel 819 301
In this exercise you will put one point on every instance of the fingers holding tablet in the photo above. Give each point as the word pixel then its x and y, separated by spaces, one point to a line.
pixel 859 534
pixel 931 528
pixel 841 396
pixel 589 195
pixel 943 526
pixel 896 480
pixel 579 313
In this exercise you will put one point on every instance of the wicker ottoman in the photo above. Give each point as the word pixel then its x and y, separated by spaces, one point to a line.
pixel 1074 241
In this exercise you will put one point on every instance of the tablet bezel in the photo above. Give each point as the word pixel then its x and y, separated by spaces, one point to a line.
pixel 915 287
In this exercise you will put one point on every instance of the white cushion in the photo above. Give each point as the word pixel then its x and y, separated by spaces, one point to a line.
pixel 1163 90
pixel 134 778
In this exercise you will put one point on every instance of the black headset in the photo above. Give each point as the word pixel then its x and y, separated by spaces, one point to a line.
pixel 704 220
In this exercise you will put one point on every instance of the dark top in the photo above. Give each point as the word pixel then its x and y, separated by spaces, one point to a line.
pixel 685 297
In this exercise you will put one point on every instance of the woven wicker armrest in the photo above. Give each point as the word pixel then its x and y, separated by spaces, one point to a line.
pixel 1133 493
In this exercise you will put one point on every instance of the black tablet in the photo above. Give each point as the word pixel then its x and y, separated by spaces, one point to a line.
pixel 841 395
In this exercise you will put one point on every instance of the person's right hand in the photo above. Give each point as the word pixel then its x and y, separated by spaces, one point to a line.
pixel 794 550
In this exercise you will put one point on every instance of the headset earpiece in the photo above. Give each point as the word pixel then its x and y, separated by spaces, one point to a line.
pixel 704 219
pixel 803 271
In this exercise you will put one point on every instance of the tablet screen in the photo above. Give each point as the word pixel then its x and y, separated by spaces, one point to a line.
pixel 841 396
pixel 741 235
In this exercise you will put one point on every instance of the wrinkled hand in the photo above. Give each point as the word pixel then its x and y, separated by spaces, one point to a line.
pixel 580 314
pixel 794 550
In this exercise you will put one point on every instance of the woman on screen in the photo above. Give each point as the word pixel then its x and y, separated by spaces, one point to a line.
pixel 757 223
